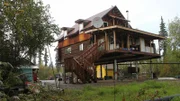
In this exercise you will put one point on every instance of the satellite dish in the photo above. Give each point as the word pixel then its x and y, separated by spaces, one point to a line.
pixel 97 22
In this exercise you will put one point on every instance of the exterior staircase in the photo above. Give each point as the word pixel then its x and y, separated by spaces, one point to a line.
pixel 83 65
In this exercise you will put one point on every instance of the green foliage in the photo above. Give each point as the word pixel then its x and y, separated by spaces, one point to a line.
pixel 172 50
pixel 174 30
pixel 12 80
pixel 176 99
pixel 174 40
pixel 45 72
pixel 9 75
pixel 26 27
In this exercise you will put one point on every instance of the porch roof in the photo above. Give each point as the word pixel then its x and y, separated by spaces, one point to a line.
pixel 135 31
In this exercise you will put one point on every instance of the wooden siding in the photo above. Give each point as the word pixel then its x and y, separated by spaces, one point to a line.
pixel 74 40
pixel 114 21
pixel 74 50
pixel 109 20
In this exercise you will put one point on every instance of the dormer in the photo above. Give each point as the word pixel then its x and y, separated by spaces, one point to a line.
pixel 64 32
pixel 81 24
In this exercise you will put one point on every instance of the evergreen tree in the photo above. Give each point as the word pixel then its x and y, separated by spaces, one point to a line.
pixel 163 33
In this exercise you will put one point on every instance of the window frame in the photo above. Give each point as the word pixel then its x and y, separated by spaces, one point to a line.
pixel 105 22
pixel 81 47
pixel 68 50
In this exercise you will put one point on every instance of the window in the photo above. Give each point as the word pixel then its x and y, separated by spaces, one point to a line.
pixel 68 50
pixel 105 24
pixel 81 47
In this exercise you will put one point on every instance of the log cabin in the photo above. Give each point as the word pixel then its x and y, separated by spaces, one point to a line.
pixel 83 46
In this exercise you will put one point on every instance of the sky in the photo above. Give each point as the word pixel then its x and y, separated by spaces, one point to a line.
pixel 143 14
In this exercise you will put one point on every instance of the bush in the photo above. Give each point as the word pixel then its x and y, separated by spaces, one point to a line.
pixel 45 72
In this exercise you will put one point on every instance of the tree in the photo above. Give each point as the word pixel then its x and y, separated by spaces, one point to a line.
pixel 174 30
pixel 172 49
pixel 163 33
pixel 45 57
pixel 27 28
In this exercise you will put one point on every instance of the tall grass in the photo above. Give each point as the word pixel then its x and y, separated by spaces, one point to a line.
pixel 134 91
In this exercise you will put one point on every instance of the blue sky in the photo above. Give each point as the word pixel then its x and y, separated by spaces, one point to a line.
pixel 143 14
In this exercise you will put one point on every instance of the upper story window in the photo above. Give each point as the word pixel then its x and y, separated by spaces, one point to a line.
pixel 105 24
pixel 68 50
pixel 81 47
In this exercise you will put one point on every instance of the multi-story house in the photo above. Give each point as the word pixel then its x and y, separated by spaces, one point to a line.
pixel 109 40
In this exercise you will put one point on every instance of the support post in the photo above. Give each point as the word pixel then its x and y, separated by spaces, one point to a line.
pixel 136 64
pixel 106 40
pixel 151 72
pixel 101 71
pixel 106 72
pixel 122 44
pixel 115 69
pixel 95 74
pixel 114 34
pixel 118 72
pixel 159 47
pixel 128 42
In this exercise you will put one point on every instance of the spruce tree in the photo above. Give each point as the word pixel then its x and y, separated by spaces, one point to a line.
pixel 163 33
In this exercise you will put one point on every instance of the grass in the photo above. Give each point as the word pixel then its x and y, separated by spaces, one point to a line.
pixel 134 91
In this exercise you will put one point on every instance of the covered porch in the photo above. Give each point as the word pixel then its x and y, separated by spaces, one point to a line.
pixel 123 44
pixel 123 38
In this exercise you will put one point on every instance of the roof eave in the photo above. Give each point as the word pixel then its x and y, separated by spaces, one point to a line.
pixel 127 29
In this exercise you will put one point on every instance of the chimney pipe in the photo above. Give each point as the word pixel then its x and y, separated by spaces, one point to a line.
pixel 127 14
pixel 127 18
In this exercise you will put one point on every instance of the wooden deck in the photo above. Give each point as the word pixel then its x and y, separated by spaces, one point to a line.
pixel 125 56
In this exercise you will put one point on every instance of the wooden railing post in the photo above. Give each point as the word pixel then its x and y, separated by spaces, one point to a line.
pixel 128 43
pixel 114 34
pixel 106 39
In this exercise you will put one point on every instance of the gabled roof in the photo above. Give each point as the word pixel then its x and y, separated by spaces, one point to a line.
pixel 88 22
pixel 101 15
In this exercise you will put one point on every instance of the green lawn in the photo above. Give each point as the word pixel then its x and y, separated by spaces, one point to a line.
pixel 131 91
pixel 135 91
